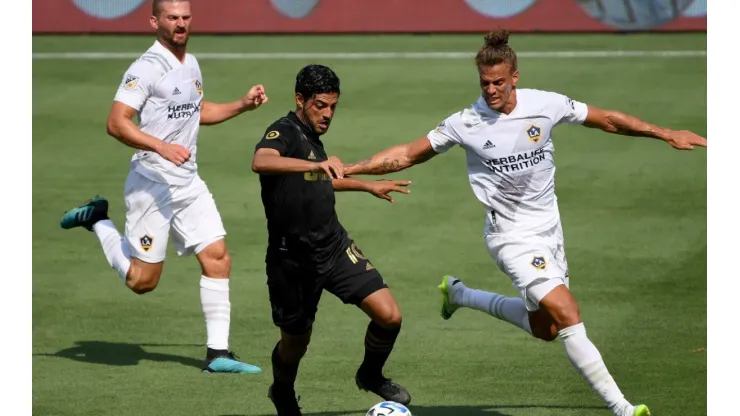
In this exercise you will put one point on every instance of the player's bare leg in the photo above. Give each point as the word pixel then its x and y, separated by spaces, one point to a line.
pixel 286 357
pixel 380 337
pixel 215 263
pixel 562 308
pixel 139 276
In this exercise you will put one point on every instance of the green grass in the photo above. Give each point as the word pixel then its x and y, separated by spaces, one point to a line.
pixel 633 212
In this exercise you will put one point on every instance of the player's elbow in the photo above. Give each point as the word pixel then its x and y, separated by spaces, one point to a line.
pixel 257 165
pixel 113 128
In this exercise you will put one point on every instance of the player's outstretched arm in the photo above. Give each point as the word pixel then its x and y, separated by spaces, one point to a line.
pixel 617 122
pixel 121 126
pixel 393 159
pixel 269 162
pixel 214 113
pixel 380 189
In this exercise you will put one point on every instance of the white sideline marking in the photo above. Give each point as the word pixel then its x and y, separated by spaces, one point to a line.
pixel 376 55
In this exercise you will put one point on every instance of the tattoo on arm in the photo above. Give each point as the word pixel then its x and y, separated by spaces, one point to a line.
pixel 389 165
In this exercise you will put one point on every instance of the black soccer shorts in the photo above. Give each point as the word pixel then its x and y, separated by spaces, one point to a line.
pixel 295 288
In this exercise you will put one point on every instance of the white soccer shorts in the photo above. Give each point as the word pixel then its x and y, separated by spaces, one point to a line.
pixel 536 264
pixel 156 210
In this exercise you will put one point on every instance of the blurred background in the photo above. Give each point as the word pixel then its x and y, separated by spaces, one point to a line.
pixel 368 16
pixel 633 210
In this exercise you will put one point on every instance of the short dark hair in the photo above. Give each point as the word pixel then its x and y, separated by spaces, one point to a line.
pixel 496 50
pixel 157 5
pixel 316 79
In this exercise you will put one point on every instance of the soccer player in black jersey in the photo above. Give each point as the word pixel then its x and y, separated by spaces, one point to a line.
pixel 308 250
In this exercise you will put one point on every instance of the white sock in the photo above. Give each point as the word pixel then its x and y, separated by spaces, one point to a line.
pixel 584 356
pixel 115 249
pixel 511 310
pixel 214 297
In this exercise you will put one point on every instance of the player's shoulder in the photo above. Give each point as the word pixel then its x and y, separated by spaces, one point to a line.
pixel 282 127
pixel 541 100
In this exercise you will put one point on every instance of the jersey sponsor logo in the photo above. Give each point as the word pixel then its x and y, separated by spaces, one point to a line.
pixel 318 176
pixel 272 135
pixel 488 145
pixel 175 112
pixel 146 242
pixel 539 263
pixel 516 162
pixel 199 87
pixel 130 81
pixel 534 132
pixel 311 156
pixel 176 91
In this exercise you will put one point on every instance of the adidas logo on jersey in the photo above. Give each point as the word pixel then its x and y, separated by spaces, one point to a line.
pixel 311 156
pixel 176 91
pixel 488 145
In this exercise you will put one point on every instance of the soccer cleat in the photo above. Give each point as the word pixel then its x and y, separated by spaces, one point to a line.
pixel 226 362
pixel 284 400
pixel 447 308
pixel 641 410
pixel 86 215
pixel 385 388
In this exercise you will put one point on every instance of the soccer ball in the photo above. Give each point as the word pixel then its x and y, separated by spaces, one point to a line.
pixel 388 409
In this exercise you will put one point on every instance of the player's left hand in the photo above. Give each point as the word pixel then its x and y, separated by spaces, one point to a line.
pixel 685 140
pixel 255 97
pixel 381 189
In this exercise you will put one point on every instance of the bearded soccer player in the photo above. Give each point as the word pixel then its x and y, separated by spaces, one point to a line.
pixel 506 135
pixel 164 193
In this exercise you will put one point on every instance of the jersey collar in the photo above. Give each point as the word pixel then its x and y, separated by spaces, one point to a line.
pixel 169 56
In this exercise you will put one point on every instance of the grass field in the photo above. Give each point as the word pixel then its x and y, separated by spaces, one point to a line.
pixel 633 211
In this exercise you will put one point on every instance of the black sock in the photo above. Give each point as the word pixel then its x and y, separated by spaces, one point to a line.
pixel 378 346
pixel 211 353
pixel 283 374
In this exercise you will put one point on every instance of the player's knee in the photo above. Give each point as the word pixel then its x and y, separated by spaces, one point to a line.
pixel 545 332
pixel 142 280
pixel 215 261
pixel 389 317
pixel 566 315
pixel 143 285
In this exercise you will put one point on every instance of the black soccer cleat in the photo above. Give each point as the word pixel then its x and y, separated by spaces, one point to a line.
pixel 285 401
pixel 383 387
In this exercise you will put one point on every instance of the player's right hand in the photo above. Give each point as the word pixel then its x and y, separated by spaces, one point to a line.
pixel 174 153
pixel 332 167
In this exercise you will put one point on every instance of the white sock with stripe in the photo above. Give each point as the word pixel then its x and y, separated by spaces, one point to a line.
pixel 214 298
pixel 584 356
pixel 511 310
pixel 116 250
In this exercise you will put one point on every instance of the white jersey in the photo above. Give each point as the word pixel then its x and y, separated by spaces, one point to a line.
pixel 167 95
pixel 510 158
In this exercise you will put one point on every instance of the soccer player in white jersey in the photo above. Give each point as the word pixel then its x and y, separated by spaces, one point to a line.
pixel 164 195
pixel 506 135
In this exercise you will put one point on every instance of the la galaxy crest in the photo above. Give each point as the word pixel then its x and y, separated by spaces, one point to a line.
pixel 539 263
pixel 146 242
pixel 199 87
pixel 534 132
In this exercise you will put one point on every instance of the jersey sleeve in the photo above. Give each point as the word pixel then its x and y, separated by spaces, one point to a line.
pixel 568 110
pixel 278 137
pixel 445 136
pixel 137 84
